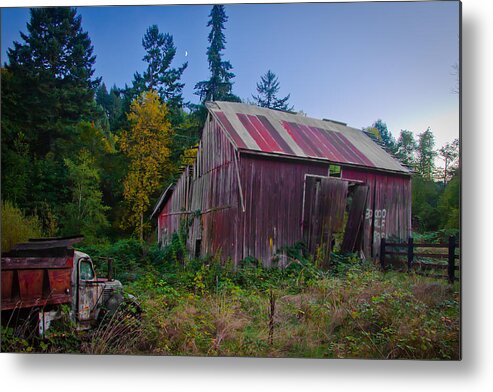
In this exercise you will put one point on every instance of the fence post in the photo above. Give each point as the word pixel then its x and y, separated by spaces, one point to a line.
pixel 410 253
pixel 382 253
pixel 451 259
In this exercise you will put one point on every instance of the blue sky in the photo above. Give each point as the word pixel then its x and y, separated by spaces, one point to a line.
pixel 353 62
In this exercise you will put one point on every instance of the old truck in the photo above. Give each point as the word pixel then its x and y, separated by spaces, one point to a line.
pixel 41 275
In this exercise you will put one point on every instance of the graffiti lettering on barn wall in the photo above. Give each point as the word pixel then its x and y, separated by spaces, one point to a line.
pixel 378 223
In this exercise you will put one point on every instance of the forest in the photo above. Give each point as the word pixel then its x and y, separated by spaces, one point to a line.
pixel 80 157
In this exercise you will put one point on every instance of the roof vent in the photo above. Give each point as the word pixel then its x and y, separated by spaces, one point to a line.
pixel 334 121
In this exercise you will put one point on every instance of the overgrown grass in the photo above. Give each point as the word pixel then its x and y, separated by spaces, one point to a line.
pixel 203 307
pixel 361 313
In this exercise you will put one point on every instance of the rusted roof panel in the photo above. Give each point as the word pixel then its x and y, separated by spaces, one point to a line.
pixel 254 128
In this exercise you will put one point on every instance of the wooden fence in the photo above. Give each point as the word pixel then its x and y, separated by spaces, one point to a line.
pixel 410 253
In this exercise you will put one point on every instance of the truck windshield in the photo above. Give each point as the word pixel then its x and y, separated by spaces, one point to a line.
pixel 86 271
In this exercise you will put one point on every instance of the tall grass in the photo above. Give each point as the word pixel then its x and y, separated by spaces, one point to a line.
pixel 354 312
pixel 203 307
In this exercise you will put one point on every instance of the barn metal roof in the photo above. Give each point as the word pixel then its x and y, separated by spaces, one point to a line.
pixel 252 128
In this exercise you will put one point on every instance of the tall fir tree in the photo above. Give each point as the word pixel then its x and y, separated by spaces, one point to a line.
pixel 159 75
pixel 48 91
pixel 267 90
pixel 425 162
pixel 406 148
pixel 110 103
pixel 219 86
pixel 54 73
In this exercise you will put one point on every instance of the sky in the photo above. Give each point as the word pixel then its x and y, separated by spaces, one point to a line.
pixel 351 62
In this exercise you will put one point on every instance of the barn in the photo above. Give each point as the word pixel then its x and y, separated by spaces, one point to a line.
pixel 264 180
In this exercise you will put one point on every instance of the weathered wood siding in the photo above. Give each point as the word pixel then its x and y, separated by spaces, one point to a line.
pixel 214 195
pixel 207 196
pixel 273 193
pixel 175 208
pixel 388 210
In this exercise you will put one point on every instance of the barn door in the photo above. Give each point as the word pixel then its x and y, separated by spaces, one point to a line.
pixel 323 212
pixel 353 234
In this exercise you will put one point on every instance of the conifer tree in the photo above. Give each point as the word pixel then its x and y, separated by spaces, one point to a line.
pixel 381 132
pixel 267 90
pixel 159 75
pixel 111 105
pixel 219 85
pixel 385 135
pixel 425 162
pixel 48 90
pixel 450 154
pixel 54 73
pixel 406 148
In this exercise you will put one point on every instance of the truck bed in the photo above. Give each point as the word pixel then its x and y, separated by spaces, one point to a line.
pixel 37 273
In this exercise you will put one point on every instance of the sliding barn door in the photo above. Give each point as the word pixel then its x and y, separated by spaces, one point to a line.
pixel 323 212
pixel 353 234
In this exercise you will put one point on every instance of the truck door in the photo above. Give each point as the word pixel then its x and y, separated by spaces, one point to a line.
pixel 89 291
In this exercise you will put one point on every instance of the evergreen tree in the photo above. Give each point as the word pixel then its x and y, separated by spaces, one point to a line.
pixel 425 162
pixel 53 69
pixel 111 105
pixel 16 156
pixel 219 86
pixel 381 132
pixel 406 148
pixel 160 76
pixel 267 90
pixel 49 89
pixel 450 154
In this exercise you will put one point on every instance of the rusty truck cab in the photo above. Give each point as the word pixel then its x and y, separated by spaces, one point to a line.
pixel 88 290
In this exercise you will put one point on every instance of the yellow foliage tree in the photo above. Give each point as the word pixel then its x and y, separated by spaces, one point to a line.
pixel 189 155
pixel 147 145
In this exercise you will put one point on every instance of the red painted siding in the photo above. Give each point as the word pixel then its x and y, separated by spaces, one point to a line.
pixel 388 211
pixel 273 192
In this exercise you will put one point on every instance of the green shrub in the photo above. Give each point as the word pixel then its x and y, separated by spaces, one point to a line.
pixel 127 255
pixel 17 227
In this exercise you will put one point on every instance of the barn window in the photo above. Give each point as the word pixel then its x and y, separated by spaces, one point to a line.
pixel 334 171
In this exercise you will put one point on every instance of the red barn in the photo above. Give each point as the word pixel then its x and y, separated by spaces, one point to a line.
pixel 266 179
